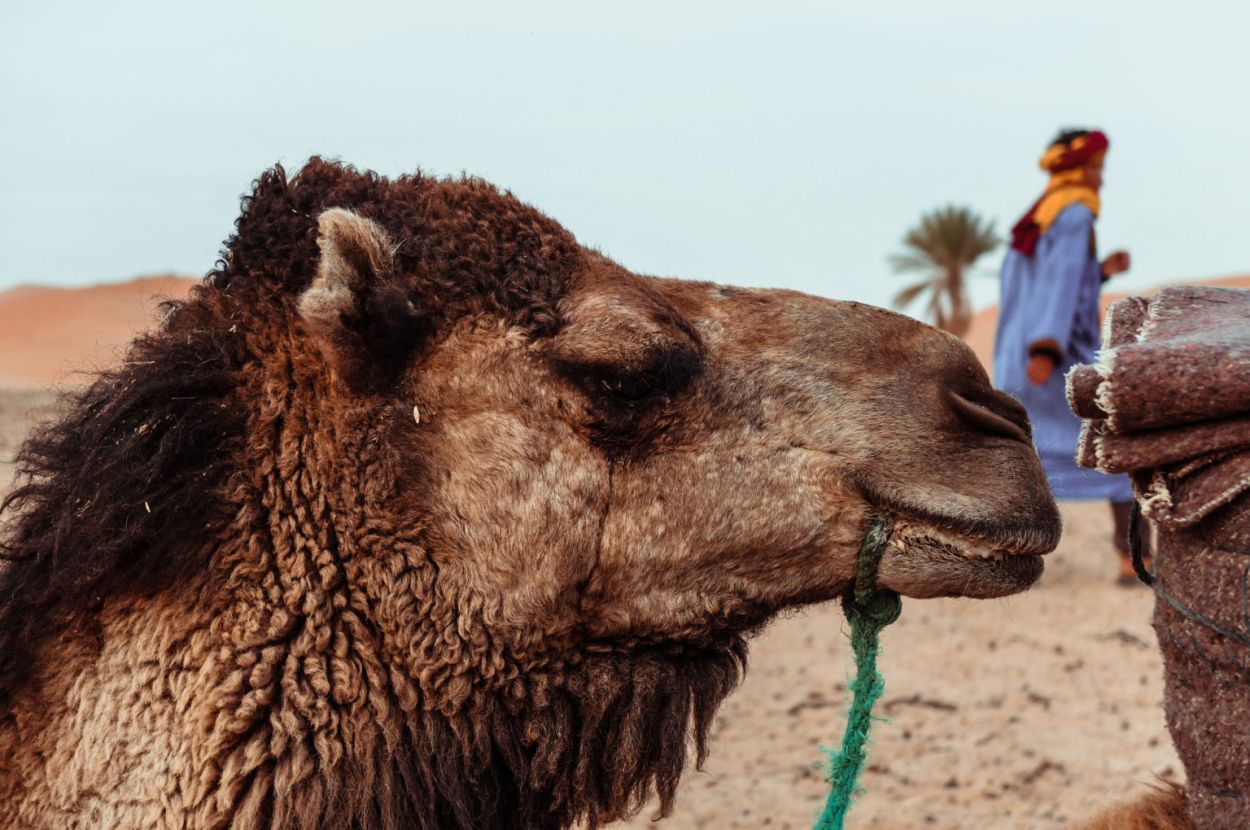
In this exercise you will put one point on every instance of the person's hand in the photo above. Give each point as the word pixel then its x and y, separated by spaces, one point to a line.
pixel 1117 263
pixel 1041 366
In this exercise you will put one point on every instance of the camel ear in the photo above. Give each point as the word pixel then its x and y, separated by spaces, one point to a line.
pixel 356 308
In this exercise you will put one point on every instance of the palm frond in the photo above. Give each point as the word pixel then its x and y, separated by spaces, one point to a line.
pixel 908 295
pixel 910 262
pixel 946 243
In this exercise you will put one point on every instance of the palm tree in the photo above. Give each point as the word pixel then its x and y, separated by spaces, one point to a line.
pixel 943 247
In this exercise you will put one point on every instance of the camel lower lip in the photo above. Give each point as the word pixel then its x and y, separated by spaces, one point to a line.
pixel 923 561
pixel 909 533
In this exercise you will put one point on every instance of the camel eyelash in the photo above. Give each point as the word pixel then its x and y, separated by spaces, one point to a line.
pixel 663 375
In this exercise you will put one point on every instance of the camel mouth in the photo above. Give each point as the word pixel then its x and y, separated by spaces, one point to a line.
pixel 909 532
pixel 925 560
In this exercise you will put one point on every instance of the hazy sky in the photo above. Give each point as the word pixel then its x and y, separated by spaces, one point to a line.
pixel 784 144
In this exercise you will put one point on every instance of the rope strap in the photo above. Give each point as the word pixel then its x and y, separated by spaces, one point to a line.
pixel 1135 545
pixel 869 609
pixel 1144 574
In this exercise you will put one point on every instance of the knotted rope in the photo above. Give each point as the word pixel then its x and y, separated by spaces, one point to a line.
pixel 869 609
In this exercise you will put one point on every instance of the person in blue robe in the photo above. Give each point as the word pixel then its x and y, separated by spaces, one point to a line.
pixel 1049 319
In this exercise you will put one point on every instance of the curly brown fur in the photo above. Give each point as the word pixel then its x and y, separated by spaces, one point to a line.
pixel 111 492
pixel 593 749
pixel 1165 807
pixel 129 492
pixel 139 462
pixel 475 251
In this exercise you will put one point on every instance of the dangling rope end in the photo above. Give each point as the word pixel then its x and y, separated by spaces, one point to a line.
pixel 869 609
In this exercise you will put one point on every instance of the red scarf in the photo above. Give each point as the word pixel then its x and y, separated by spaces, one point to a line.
pixel 1061 161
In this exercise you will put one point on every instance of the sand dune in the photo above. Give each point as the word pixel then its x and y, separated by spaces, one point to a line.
pixel 54 335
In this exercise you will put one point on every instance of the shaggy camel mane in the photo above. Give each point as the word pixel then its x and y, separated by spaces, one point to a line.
pixel 147 471
pixel 140 461
pixel 134 469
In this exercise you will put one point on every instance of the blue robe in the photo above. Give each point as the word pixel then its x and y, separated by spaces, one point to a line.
pixel 1053 295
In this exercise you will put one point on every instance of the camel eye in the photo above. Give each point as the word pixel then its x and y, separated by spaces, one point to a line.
pixel 630 389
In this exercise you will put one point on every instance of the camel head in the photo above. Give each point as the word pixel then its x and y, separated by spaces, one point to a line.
pixel 464 524
pixel 669 460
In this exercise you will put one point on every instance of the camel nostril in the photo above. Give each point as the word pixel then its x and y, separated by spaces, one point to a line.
pixel 1010 422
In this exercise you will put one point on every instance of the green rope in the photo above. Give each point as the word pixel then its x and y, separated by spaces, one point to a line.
pixel 869 610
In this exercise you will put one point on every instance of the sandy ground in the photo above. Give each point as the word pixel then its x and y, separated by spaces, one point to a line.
pixel 1027 712
pixel 20 411
pixel 1033 711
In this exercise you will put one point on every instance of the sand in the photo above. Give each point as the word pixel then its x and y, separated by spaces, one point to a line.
pixel 53 335
pixel 1027 712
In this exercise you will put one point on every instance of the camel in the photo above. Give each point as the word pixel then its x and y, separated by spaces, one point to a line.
pixel 1164 807
pixel 418 513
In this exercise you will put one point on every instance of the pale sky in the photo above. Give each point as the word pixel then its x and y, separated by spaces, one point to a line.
pixel 769 144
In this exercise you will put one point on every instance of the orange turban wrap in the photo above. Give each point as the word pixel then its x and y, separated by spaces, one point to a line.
pixel 1066 163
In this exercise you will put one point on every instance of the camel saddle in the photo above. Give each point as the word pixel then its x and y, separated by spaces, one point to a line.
pixel 1168 402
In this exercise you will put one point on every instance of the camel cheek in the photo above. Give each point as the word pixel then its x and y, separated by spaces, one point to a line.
pixel 735 530
pixel 526 503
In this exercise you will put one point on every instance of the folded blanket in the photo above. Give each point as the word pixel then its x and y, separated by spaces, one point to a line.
pixel 1187 493
pixel 1169 400
pixel 1188 361
pixel 1128 451
pixel 1125 452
